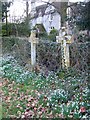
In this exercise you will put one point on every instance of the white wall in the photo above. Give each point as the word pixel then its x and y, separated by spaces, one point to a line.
pixel 33 22
pixel 55 22
pixel 39 20
pixel 48 20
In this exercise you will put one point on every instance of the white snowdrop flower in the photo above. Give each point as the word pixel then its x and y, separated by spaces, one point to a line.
pixel 23 116
pixel 38 94
pixel 84 116
pixel 47 104
pixel 55 105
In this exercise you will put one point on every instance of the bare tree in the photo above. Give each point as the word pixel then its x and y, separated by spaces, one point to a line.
pixel 60 6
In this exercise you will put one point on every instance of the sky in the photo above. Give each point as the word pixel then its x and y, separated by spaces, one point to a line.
pixel 19 6
pixel 17 9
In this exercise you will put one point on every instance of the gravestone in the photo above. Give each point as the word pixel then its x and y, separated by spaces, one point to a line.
pixel 64 40
pixel 34 40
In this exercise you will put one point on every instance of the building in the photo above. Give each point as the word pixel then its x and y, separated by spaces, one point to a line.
pixel 48 15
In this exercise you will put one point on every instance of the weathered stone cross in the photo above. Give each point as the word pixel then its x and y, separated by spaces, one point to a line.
pixel 33 41
pixel 65 40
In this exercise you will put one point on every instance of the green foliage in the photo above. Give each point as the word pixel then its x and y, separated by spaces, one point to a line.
pixel 79 55
pixel 54 31
pixel 84 21
pixel 27 92
pixel 7 44
pixel 52 35
pixel 16 29
pixel 11 29
pixel 3 32
pixel 58 95
pixel 23 29
pixel 80 16
pixel 42 32
pixel 67 109
pixel 83 38
pixel 16 72
pixel 49 55
pixel 40 27
pixel 65 73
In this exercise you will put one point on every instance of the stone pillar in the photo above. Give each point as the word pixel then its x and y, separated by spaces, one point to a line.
pixel 33 41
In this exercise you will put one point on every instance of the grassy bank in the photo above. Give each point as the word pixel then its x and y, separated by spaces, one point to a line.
pixel 63 94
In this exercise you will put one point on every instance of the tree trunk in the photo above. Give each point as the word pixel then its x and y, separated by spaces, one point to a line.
pixel 6 24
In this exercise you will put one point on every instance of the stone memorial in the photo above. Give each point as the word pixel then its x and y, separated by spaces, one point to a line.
pixel 34 40
pixel 64 40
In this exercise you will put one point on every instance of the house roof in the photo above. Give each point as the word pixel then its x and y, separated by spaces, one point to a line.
pixel 42 8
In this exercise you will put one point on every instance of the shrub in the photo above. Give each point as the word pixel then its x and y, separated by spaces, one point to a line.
pixel 58 95
pixel 13 71
pixel 7 44
pixel 49 56
pixel 16 29
pixel 19 48
pixel 42 32
pixel 79 56
pixel 54 31
pixel 52 35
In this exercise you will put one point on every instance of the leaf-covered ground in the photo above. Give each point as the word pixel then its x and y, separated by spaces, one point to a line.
pixel 29 95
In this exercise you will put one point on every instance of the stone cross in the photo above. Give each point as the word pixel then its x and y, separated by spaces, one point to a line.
pixel 33 41
pixel 65 40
